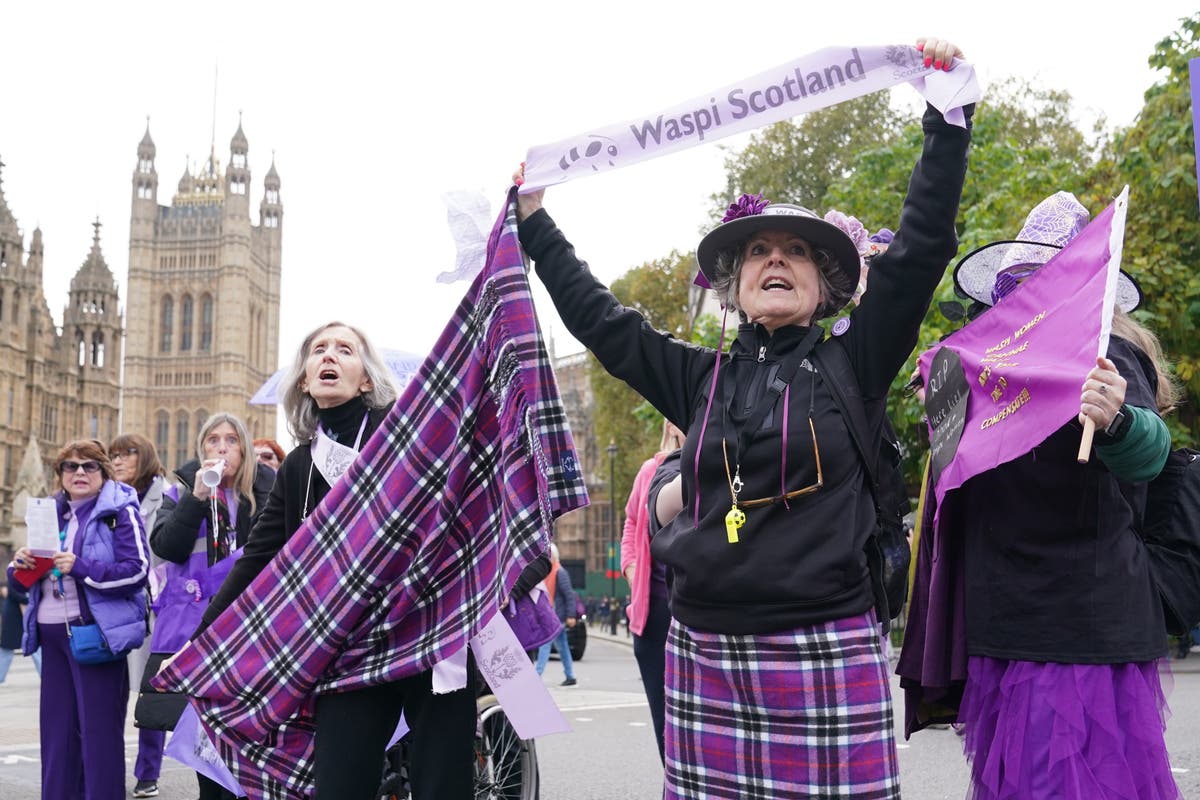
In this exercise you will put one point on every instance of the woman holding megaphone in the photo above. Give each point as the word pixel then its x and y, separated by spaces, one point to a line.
pixel 200 536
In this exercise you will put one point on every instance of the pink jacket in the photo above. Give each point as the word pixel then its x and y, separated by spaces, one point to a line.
pixel 635 544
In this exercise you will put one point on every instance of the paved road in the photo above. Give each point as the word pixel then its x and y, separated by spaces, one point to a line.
pixel 610 752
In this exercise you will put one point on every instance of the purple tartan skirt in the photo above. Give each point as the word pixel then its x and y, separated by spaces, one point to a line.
pixel 797 714
pixel 1065 731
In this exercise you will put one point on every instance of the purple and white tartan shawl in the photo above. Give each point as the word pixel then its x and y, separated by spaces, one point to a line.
pixel 409 554
pixel 782 716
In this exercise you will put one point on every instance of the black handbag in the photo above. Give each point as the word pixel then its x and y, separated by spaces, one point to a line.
pixel 156 710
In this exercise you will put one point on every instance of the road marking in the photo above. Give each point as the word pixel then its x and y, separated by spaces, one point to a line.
pixel 9 760
pixel 1178 770
pixel 637 724
pixel 583 719
pixel 903 746
pixel 603 706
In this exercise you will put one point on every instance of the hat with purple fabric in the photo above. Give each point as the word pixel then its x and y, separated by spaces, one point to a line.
pixel 752 213
pixel 993 271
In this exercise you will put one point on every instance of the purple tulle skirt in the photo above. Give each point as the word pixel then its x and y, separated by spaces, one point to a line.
pixel 1065 731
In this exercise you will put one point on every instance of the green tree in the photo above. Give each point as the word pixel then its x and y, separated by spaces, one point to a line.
pixel 658 290
pixel 1024 147
pixel 796 162
pixel 1156 157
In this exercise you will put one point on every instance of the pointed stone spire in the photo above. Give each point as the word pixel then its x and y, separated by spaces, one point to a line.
pixel 94 272
pixel 8 223
pixel 185 183
pixel 239 144
pixel 31 482
pixel 146 148
pixel 272 179
pixel 31 476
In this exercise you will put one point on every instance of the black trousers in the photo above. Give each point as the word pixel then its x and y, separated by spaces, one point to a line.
pixel 650 650
pixel 211 790
pixel 353 729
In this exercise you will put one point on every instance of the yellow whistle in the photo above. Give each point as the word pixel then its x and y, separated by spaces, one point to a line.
pixel 735 519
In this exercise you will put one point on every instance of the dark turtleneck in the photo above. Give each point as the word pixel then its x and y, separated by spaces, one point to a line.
pixel 342 422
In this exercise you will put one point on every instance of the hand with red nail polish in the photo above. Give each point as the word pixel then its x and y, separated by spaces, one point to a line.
pixel 529 203
pixel 938 53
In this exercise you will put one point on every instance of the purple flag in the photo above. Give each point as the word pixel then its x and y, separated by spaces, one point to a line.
pixel 1000 386
pixel 1194 69
pixel 191 747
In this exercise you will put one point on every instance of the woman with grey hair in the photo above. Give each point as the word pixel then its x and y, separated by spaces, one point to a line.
pixel 338 391
pixel 199 536
pixel 775 630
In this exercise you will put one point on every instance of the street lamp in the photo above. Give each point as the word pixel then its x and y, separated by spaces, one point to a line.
pixel 612 522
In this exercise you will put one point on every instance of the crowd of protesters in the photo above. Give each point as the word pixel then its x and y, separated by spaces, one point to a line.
pixel 746 546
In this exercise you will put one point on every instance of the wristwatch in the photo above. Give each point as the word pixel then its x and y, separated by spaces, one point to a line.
pixel 1117 429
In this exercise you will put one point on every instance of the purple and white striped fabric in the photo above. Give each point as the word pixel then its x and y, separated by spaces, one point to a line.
pixel 410 552
pixel 783 716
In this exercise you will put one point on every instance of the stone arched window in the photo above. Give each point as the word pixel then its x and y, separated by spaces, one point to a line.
pixel 97 349
pixel 162 432
pixel 166 324
pixel 206 323
pixel 185 323
pixel 183 438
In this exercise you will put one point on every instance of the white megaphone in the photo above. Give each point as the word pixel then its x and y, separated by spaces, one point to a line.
pixel 211 476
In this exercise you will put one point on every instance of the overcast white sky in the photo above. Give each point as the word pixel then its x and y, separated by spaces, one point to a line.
pixel 374 110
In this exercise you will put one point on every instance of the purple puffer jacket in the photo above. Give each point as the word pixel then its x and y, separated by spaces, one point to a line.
pixel 111 567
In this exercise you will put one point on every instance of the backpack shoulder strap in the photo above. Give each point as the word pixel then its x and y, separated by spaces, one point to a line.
pixel 834 364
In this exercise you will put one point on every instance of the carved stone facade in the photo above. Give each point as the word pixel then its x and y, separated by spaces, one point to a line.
pixel 203 310
pixel 55 384
pixel 584 533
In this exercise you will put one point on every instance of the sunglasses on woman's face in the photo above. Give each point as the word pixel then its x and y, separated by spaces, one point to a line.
pixel 69 467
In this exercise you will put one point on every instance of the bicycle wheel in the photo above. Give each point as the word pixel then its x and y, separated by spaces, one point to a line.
pixel 505 765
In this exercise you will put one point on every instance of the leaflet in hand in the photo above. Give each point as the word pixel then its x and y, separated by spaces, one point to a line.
pixel 41 518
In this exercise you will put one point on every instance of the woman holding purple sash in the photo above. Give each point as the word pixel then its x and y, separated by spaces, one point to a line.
pixel 776 682
pixel 201 536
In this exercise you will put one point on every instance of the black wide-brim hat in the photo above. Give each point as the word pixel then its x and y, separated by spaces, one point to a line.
pixel 976 273
pixel 781 217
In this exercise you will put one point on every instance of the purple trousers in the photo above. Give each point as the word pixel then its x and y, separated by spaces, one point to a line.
pixel 150 754
pixel 82 720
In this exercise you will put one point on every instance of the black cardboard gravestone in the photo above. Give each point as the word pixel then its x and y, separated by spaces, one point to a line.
pixel 946 394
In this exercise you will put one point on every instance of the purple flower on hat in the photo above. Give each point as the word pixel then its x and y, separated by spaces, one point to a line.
pixel 748 205
pixel 851 227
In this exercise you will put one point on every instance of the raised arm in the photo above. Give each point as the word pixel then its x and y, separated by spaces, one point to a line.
pixel 885 326
pixel 659 367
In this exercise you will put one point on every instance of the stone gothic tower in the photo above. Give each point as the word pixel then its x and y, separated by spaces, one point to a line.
pixel 203 301
pixel 92 329
pixel 55 385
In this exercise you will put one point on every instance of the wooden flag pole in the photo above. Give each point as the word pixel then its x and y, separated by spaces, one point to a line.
pixel 1085 443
